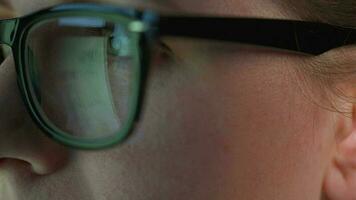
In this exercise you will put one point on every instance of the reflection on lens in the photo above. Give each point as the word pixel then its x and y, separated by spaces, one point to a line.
pixel 81 74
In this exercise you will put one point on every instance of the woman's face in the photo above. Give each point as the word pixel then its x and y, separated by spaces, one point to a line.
pixel 220 121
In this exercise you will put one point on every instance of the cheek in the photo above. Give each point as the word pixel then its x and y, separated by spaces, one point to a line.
pixel 224 130
pixel 250 121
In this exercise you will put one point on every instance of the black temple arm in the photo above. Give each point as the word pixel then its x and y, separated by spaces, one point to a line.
pixel 308 37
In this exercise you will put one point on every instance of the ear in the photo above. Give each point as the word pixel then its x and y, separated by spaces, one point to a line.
pixel 340 178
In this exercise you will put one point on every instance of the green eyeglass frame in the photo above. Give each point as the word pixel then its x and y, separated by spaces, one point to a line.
pixel 147 27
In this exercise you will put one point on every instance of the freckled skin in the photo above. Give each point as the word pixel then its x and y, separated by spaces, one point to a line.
pixel 220 121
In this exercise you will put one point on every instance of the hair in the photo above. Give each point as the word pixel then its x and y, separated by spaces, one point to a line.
pixel 337 12
pixel 331 71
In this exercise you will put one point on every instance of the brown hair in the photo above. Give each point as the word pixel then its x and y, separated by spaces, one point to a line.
pixel 328 72
pixel 337 12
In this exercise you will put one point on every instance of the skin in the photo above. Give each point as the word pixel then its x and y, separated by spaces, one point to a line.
pixel 220 121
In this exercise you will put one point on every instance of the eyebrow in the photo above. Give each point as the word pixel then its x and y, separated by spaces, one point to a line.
pixel 4 2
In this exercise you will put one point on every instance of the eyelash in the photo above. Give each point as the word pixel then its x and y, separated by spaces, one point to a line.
pixel 165 50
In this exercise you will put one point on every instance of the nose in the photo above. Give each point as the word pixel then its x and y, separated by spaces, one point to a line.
pixel 20 139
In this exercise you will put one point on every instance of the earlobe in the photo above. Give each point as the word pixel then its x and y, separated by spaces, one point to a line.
pixel 334 183
pixel 340 177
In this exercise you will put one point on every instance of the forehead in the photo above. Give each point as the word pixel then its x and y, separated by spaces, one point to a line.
pixel 27 6
pixel 254 8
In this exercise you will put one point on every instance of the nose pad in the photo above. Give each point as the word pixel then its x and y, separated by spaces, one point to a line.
pixel 20 138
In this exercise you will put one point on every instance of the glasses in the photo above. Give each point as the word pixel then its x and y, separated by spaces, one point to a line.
pixel 82 67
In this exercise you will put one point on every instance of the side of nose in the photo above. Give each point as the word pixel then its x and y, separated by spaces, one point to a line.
pixel 20 138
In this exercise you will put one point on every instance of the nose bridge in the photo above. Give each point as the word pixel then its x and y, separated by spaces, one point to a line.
pixel 8 29
pixel 20 138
